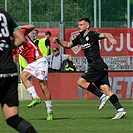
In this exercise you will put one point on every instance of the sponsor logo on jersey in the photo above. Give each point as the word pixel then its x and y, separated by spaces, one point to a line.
pixel 6 75
pixel 84 46
pixel 21 49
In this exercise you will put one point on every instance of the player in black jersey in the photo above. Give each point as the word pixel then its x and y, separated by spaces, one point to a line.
pixel 9 74
pixel 96 77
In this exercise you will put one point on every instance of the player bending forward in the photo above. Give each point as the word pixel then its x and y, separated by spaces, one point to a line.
pixel 37 67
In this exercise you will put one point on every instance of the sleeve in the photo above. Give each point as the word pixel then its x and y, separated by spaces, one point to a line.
pixel 47 42
pixel 76 41
pixel 95 35
pixel 24 31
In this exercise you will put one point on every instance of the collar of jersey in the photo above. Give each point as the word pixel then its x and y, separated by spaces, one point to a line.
pixel 86 33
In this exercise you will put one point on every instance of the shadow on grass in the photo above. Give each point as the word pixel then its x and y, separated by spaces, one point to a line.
pixel 54 119
pixel 110 118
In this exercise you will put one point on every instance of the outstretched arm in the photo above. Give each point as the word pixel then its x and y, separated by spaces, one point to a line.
pixel 109 37
pixel 64 44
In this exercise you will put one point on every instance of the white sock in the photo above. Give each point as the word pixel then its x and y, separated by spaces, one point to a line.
pixel 121 109
pixel 32 92
pixel 48 106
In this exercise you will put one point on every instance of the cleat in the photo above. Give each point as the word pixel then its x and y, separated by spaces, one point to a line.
pixel 50 116
pixel 34 102
pixel 103 99
pixel 119 114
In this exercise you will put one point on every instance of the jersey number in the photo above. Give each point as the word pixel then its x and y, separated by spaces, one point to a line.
pixel 4 29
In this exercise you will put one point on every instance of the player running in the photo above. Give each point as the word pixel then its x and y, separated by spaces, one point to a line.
pixel 97 74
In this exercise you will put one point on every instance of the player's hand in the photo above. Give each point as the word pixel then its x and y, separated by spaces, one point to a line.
pixel 55 39
pixel 113 41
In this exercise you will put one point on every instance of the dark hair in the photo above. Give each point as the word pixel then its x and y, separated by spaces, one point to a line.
pixel 48 33
pixel 85 19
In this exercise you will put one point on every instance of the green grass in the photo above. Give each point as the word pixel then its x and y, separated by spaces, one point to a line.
pixel 79 116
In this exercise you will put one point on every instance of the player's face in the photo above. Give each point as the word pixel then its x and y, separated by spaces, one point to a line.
pixel 83 26
pixel 34 34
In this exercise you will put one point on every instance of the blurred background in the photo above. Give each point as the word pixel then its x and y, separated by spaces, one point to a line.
pixel 66 13
pixel 49 13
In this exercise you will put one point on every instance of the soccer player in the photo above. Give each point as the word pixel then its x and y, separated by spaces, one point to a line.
pixel 97 74
pixel 9 75
pixel 37 67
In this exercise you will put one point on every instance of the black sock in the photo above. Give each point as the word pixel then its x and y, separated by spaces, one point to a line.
pixel 93 89
pixel 20 124
pixel 114 100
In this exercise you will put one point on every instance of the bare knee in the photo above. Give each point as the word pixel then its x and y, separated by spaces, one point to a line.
pixel 25 76
pixel 22 76
pixel 79 82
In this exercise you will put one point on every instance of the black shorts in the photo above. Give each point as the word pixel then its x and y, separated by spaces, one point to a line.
pixel 9 91
pixel 97 74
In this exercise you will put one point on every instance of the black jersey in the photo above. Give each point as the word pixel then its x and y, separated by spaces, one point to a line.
pixel 97 71
pixel 89 44
pixel 7 26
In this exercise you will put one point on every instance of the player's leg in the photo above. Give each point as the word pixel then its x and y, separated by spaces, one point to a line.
pixel 9 103
pixel 93 89
pixel 26 76
pixel 15 121
pixel 47 97
pixel 105 87
pixel 42 76
pixel 114 100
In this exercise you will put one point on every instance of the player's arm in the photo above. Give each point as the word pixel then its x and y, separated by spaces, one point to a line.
pixel 64 44
pixel 28 27
pixel 109 37
pixel 18 38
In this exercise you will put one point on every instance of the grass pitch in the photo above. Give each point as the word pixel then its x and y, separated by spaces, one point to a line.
pixel 79 116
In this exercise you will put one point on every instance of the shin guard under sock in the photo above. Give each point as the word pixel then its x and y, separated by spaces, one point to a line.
pixel 114 100
pixel 20 124
pixel 93 89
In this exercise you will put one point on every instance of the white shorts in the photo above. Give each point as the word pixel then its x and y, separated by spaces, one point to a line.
pixel 38 69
